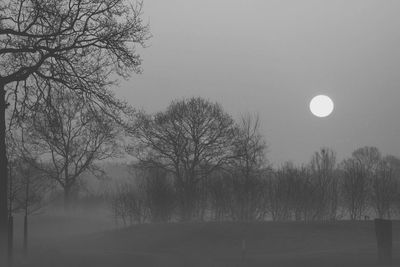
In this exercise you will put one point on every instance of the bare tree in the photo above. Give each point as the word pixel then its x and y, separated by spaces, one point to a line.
pixel 278 194
pixel 191 139
pixel 377 173
pixel 297 192
pixel 128 204
pixel 220 195
pixel 77 43
pixel 394 163
pixel 30 187
pixel 384 189
pixel 247 166
pixel 70 136
pixel 27 188
pixel 157 188
pixel 355 188
pixel 326 186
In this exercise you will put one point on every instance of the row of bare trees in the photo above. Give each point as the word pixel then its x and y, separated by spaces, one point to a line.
pixel 371 183
pixel 360 187
pixel 213 167
pixel 196 162
pixel 151 198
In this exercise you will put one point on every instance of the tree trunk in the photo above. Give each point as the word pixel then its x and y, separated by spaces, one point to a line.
pixel 67 188
pixel 26 218
pixel 3 181
pixel 10 240
pixel 26 234
pixel 67 198
pixel 188 202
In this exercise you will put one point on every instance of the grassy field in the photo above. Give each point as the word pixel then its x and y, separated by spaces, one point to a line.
pixel 70 242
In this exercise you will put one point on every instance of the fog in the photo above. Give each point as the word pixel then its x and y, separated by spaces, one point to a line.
pixel 82 239
pixel 178 133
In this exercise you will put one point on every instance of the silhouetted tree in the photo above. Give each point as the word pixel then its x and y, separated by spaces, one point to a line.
pixel 27 185
pixel 69 135
pixel 278 194
pixel 76 43
pixel 247 167
pixel 394 163
pixel 376 173
pixel 220 195
pixel 30 188
pixel 355 188
pixel 326 185
pixel 191 139
pixel 158 191
pixel 384 189
pixel 128 204
pixel 298 190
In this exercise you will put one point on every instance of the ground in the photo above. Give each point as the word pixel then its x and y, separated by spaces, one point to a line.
pixel 73 242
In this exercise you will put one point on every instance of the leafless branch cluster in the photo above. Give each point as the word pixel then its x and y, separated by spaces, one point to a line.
pixel 67 137
pixel 63 45
pixel 192 140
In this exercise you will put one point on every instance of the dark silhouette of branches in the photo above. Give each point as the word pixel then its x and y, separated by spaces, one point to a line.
pixel 190 139
pixel 247 168
pixel 79 44
pixel 69 136
pixel 355 188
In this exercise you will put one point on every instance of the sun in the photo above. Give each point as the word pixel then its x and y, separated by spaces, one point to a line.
pixel 321 106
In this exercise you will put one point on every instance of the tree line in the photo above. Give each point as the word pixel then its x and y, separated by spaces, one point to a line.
pixel 196 163
pixel 193 162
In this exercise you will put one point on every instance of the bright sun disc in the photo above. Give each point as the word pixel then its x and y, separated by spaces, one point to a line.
pixel 321 106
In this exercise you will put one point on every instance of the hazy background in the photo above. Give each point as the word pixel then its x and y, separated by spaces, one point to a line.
pixel 272 57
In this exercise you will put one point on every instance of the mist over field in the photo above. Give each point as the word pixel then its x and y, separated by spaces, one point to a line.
pixel 199 133
pixel 93 241
pixel 91 234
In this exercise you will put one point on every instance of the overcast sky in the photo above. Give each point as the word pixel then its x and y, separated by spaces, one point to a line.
pixel 272 57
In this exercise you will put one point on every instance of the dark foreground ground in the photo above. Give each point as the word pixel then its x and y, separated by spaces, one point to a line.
pixel 73 242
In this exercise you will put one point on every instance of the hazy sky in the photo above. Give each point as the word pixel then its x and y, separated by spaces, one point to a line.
pixel 272 57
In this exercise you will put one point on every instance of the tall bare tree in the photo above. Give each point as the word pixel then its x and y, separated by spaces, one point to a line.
pixel 290 193
pixel 220 194
pixel 69 135
pixel 394 163
pixel 27 185
pixel 355 188
pixel 77 43
pixel 157 187
pixel 278 194
pixel 30 187
pixel 384 189
pixel 191 139
pixel 128 204
pixel 370 159
pixel 250 160
pixel 322 166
